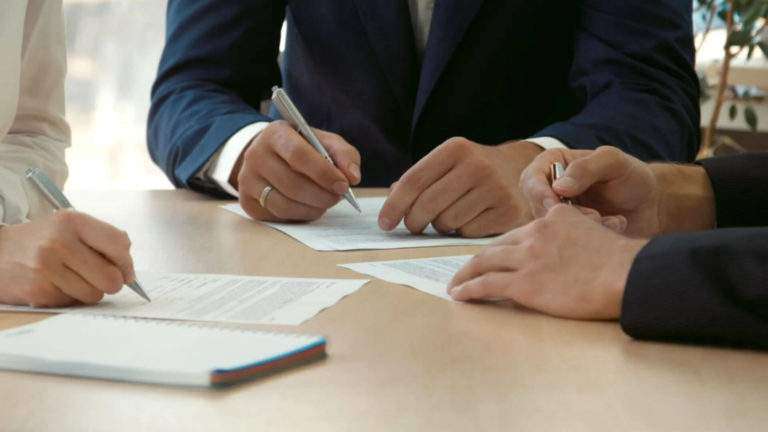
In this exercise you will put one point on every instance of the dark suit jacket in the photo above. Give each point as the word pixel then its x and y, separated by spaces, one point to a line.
pixel 711 286
pixel 587 72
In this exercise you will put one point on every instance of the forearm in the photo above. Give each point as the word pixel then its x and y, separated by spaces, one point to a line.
pixel 686 201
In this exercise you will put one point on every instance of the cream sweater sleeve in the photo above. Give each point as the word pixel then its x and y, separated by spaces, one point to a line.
pixel 33 131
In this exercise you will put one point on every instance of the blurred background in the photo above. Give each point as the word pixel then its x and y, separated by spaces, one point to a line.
pixel 114 47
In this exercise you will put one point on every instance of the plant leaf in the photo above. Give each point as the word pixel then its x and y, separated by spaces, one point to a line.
pixel 751 117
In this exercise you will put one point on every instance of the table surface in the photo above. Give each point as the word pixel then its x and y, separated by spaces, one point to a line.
pixel 398 359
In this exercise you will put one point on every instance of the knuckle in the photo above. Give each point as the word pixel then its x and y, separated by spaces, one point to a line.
pixel 609 151
pixel 295 155
pixel 124 240
pixel 459 145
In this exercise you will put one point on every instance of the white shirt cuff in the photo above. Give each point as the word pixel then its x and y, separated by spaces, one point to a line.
pixel 548 143
pixel 220 166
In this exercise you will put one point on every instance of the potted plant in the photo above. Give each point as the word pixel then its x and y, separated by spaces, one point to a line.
pixel 745 22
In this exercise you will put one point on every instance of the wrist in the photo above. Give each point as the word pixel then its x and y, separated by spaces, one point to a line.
pixel 686 200
pixel 235 173
pixel 628 251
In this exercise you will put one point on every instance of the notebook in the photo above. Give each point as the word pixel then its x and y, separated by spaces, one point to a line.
pixel 152 351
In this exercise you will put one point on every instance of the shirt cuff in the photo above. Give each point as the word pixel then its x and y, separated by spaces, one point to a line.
pixel 220 166
pixel 547 143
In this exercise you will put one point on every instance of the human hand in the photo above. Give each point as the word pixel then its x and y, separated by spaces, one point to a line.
pixel 462 186
pixel 304 184
pixel 63 259
pixel 607 180
pixel 566 264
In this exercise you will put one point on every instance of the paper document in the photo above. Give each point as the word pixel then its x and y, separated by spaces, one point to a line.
pixel 342 228
pixel 430 275
pixel 206 297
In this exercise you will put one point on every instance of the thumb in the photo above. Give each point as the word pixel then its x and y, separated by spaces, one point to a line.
pixel 344 155
pixel 602 165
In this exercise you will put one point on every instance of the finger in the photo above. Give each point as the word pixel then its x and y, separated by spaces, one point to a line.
pixel 604 164
pixel 109 241
pixel 43 293
pixel 277 207
pixel 490 222
pixel 94 269
pixel 490 260
pixel 297 186
pixel 438 197
pixel 468 207
pixel 345 156
pixel 535 182
pixel 73 285
pixel 290 146
pixel 413 183
pixel 489 286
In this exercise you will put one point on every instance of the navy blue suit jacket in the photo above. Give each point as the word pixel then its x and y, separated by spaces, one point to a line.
pixel 712 286
pixel 589 73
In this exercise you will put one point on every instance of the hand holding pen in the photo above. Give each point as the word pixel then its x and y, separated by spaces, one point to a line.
pixel 283 176
pixel 93 257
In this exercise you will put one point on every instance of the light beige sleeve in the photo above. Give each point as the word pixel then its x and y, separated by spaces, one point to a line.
pixel 39 133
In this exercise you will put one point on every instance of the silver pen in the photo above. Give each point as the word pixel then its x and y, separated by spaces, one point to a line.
pixel 291 114
pixel 556 171
pixel 56 197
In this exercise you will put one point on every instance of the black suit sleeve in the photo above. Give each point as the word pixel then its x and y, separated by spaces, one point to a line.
pixel 709 287
pixel 740 184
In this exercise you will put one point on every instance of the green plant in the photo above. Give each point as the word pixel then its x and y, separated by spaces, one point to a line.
pixel 745 21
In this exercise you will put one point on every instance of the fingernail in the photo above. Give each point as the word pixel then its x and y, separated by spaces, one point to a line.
pixel 355 171
pixel 612 223
pixel 385 224
pixel 340 188
pixel 549 203
pixel 565 183
pixel 454 290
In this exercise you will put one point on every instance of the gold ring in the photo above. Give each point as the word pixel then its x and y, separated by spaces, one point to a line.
pixel 264 195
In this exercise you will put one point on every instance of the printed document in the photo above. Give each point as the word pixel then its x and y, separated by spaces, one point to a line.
pixel 207 297
pixel 342 228
pixel 430 275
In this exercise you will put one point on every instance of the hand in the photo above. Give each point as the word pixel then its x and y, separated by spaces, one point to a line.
pixel 462 186
pixel 305 184
pixel 566 265
pixel 606 179
pixel 61 260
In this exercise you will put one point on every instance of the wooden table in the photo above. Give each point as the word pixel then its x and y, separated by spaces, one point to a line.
pixel 398 359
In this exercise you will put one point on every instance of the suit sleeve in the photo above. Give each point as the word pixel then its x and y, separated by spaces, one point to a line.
pixel 708 287
pixel 740 184
pixel 633 75
pixel 218 64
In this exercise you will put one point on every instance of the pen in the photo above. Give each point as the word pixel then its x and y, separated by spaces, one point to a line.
pixel 555 172
pixel 59 201
pixel 291 114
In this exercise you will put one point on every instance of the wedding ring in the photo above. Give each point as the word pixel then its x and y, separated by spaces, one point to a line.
pixel 264 195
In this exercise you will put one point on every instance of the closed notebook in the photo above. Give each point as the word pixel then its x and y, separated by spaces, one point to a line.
pixel 151 351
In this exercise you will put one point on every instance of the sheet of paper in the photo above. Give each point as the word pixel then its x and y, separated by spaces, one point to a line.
pixel 430 275
pixel 342 228
pixel 207 297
